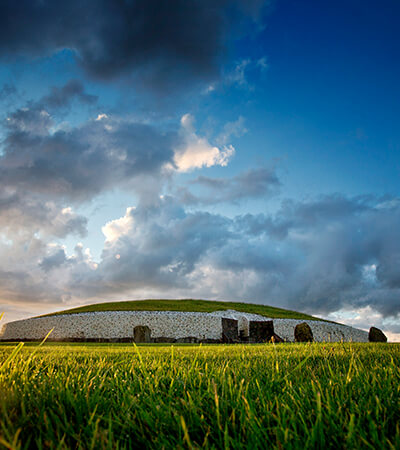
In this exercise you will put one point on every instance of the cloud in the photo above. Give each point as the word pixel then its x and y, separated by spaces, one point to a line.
pixel 232 129
pixel 253 183
pixel 321 264
pixel 155 246
pixel 61 97
pixel 320 256
pixel 25 213
pixel 75 164
pixel 117 228
pixel 238 74
pixel 56 259
pixel 46 170
pixel 35 120
pixel 162 43
pixel 244 71
pixel 79 163
pixel 196 152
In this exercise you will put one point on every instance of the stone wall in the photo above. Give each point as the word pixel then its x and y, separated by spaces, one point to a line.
pixel 322 331
pixel 284 328
pixel 116 325
pixel 170 325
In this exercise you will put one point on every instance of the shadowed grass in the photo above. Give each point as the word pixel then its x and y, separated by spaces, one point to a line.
pixel 187 396
pixel 188 305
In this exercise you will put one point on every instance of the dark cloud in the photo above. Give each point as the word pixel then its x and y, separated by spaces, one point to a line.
pixel 303 215
pixel 56 259
pixel 78 163
pixel 45 170
pixel 334 254
pixel 343 251
pixel 330 254
pixel 47 167
pixel 253 183
pixel 176 40
pixel 61 97
pixel 164 241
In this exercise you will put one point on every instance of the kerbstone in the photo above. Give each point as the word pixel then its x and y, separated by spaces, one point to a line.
pixel 376 335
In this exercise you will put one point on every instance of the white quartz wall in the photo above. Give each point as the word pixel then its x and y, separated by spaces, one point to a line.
pixel 120 324
pixel 284 328
pixel 115 325
pixel 322 331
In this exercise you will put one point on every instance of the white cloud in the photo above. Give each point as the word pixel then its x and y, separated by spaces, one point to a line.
pixel 114 229
pixel 197 151
pixel 238 75
pixel 244 70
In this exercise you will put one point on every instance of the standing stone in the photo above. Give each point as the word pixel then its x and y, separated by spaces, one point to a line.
pixel 303 333
pixel 376 335
pixel 230 330
pixel 142 334
pixel 261 330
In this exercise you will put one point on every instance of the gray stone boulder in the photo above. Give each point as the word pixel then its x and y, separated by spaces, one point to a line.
pixel 376 335
pixel 230 331
pixel 303 333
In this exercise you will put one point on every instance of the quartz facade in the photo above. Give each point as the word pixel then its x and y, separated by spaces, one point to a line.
pixel 119 325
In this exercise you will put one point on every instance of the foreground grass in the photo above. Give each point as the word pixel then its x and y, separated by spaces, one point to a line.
pixel 221 396
pixel 189 305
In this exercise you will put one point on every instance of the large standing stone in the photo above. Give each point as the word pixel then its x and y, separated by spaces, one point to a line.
pixel 261 331
pixel 230 330
pixel 376 335
pixel 142 334
pixel 303 333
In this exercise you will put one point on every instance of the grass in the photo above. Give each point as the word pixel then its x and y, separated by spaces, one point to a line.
pixel 223 396
pixel 189 305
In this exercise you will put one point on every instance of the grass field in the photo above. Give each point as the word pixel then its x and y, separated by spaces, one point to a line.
pixel 189 305
pixel 216 396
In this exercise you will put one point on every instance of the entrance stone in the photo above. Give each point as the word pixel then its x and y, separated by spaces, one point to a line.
pixel 230 330
pixel 261 331
pixel 142 334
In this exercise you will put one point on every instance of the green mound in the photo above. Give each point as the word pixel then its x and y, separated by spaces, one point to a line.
pixel 189 305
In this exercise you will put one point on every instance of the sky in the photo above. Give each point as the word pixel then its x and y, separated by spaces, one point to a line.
pixel 227 150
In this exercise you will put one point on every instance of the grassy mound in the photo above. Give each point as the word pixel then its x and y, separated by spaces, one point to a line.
pixel 189 305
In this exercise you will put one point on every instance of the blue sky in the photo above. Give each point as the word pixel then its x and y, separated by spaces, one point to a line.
pixel 224 150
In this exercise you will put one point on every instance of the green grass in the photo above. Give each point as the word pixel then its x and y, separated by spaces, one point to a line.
pixel 189 305
pixel 223 396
